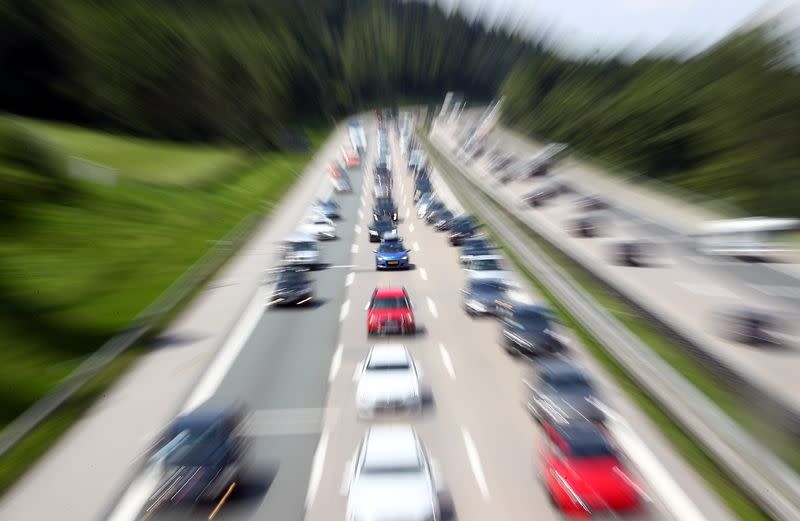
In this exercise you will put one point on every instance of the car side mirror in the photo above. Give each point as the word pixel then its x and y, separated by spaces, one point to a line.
pixel 374 251
pixel 366 306
pixel 357 371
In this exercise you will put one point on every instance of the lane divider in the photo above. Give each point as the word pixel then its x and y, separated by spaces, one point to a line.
pixel 475 464
pixel 345 310
pixel 447 361
pixel 423 274
pixel 432 307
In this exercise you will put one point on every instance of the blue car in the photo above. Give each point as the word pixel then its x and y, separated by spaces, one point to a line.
pixel 391 254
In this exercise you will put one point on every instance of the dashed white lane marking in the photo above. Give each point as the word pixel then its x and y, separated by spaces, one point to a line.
pixel 360 213
pixel 354 248
pixel 336 363
pixel 357 228
pixel 234 344
pixel 447 361
pixel 706 290
pixel 416 246
pixel 432 307
pixel 411 227
pixel 475 464
pixel 423 274
pixel 316 468
pixel 407 213
pixel 672 495
pixel 345 310
pixel 349 279
pixel 363 201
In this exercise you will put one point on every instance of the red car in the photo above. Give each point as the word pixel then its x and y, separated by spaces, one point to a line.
pixel 582 472
pixel 351 159
pixel 390 311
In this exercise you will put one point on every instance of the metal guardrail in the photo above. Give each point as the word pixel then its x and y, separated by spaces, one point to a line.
pixel 143 324
pixel 757 471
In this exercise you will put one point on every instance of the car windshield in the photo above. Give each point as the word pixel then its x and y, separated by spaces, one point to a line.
pixel 572 382
pixel 389 303
pixel 388 365
pixel 462 226
pixel 391 247
pixel 291 277
pixel 383 225
pixel 594 447
pixel 302 246
pixel 485 265
pixel 488 285
pixel 389 466
pixel 195 445
pixel 384 204
pixel 530 321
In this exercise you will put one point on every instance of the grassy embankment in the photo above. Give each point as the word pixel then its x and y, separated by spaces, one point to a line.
pixel 73 271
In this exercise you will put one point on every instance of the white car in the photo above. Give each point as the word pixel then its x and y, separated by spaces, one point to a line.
pixel 391 478
pixel 388 379
pixel 423 204
pixel 319 226
pixel 301 249
pixel 487 267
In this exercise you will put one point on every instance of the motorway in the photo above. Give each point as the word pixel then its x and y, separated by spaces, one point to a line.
pixel 295 371
pixel 683 289
pixel 293 368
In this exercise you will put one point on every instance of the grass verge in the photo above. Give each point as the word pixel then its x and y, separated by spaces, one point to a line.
pixel 736 499
pixel 74 273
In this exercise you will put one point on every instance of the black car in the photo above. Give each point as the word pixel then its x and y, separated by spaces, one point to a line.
pixel 538 168
pixel 560 391
pixel 635 253
pixel 585 226
pixel 475 247
pixel 379 227
pixel 590 203
pixel 481 296
pixel 528 329
pixel 748 326
pixel 293 287
pixel 441 219
pixel 384 208
pixel 200 456
pixel 462 228
pixel 435 206
pixel 540 196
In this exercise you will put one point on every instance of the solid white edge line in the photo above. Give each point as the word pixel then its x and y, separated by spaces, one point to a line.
pixel 432 307
pixel 423 274
pixel 345 310
pixel 215 373
pixel 317 465
pixel 448 362
pixel 475 463
pixel 363 201
pixel 672 495
pixel 133 500
pixel 349 278
pixel 336 363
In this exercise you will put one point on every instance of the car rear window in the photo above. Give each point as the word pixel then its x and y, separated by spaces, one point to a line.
pixel 389 303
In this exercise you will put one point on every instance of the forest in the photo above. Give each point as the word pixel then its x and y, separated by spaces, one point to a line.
pixel 724 122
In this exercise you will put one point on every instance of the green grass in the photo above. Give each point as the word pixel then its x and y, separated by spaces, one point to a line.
pixel 74 272
pixel 144 160
pixel 736 500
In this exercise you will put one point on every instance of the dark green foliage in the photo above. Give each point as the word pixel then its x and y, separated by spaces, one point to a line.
pixel 724 123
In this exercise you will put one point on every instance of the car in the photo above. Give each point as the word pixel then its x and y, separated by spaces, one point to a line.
pixel 416 159
pixel 351 158
pixel 462 227
pixel 424 206
pixel 199 456
pixel 379 227
pixel 590 203
pixel 293 287
pixel 422 187
pixel 320 226
pixel 388 379
pixel 583 474
pixel 538 167
pixel 384 207
pixel 748 326
pixel 391 254
pixel 475 246
pixel 500 163
pixel 442 220
pixel 540 196
pixel 381 189
pixel 390 311
pixel 358 138
pixel 636 253
pixel 435 213
pixel 487 267
pixel 300 249
pixel 480 297
pixel 391 477
pixel 585 226
pixel 560 391
pixel 328 207
pixel 529 329
pixel 382 174
pixel 339 178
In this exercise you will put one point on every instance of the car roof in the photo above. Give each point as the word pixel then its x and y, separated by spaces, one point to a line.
pixel 486 257
pixel 390 445
pixel 205 415
pixel 558 366
pixel 579 432
pixel 389 353
pixel 389 292
pixel 301 237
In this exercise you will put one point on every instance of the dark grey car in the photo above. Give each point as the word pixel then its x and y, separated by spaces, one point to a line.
pixel 481 296
pixel 560 391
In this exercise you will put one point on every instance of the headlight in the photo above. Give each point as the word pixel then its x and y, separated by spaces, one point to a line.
pixel 381 259
pixel 373 232
pixel 404 257
pixel 477 306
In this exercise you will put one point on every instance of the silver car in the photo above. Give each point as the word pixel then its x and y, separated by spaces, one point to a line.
pixel 486 267
pixel 390 478
pixel 301 249
pixel 388 379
